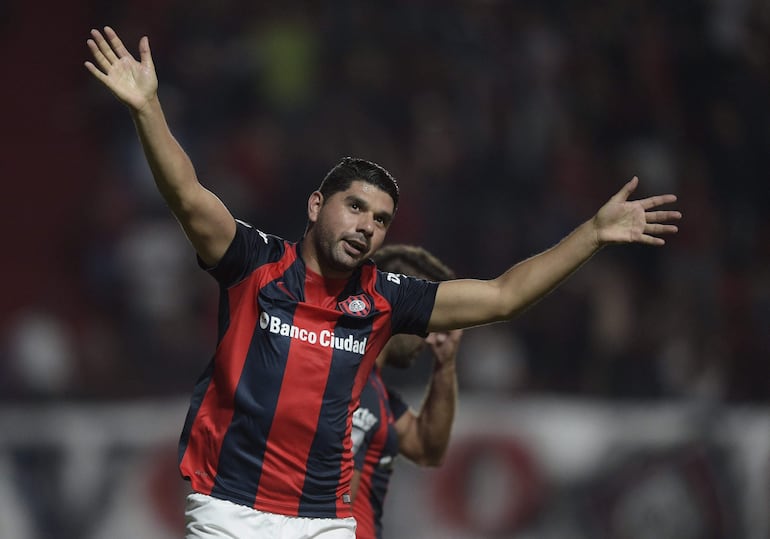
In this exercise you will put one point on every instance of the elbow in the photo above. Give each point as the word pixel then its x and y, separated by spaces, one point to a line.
pixel 510 307
pixel 508 302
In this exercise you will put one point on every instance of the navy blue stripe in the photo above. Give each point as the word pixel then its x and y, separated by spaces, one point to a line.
pixel 202 384
pixel 223 316
pixel 325 456
pixel 380 481
pixel 239 469
pixel 240 460
pixel 381 475
pixel 195 403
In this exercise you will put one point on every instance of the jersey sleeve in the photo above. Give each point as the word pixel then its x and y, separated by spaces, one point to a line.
pixel 398 405
pixel 366 419
pixel 249 249
pixel 411 300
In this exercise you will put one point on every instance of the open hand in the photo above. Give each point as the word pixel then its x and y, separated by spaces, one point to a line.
pixel 133 82
pixel 628 221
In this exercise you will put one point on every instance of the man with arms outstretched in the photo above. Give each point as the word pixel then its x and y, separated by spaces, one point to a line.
pixel 266 444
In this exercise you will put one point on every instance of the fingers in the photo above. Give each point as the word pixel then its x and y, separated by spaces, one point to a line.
pixel 96 72
pixel 662 216
pixel 436 338
pixel 108 49
pixel 656 225
pixel 626 190
pixel 658 200
pixel 647 203
pixel 440 337
pixel 652 230
pixel 99 58
pixel 655 228
pixel 116 43
pixel 651 240
pixel 145 56
pixel 103 47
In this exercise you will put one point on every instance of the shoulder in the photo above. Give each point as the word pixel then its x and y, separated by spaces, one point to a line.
pixel 249 249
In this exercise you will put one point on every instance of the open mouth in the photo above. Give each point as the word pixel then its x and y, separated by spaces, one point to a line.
pixel 358 247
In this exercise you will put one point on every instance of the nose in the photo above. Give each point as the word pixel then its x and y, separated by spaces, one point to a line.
pixel 366 224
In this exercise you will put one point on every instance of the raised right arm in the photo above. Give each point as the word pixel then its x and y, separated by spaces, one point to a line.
pixel 206 221
pixel 463 303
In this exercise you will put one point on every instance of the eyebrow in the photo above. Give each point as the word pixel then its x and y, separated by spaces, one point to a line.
pixel 360 201
pixel 386 217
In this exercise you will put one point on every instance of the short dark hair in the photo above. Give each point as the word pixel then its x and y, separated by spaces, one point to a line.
pixel 351 169
pixel 412 260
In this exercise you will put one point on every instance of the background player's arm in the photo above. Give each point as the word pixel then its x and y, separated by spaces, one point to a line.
pixel 423 437
pixel 207 222
pixel 468 302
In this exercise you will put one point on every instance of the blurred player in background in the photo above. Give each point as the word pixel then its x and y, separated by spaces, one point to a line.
pixel 267 442
pixel 383 425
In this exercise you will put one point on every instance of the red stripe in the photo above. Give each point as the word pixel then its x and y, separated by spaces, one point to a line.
pixel 378 337
pixel 346 468
pixel 362 508
pixel 300 401
pixel 297 412
pixel 216 411
pixel 380 333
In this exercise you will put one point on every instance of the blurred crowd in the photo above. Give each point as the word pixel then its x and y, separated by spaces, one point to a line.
pixel 506 123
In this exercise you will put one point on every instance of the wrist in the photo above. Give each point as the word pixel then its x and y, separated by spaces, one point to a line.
pixel 593 238
pixel 150 107
pixel 447 365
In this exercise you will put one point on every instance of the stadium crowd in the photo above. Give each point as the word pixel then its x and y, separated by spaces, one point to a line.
pixel 521 114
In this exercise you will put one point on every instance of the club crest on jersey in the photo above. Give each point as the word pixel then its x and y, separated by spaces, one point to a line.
pixel 358 305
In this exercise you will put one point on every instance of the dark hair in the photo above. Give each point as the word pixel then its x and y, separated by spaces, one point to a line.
pixel 412 260
pixel 351 169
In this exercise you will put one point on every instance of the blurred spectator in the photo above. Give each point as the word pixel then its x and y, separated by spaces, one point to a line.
pixel 40 355
pixel 526 112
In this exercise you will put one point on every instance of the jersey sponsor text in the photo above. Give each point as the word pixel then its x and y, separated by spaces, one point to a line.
pixel 325 337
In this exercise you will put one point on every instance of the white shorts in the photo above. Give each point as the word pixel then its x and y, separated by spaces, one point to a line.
pixel 212 518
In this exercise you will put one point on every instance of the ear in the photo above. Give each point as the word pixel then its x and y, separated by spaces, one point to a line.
pixel 314 204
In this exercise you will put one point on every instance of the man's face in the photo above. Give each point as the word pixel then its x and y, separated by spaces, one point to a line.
pixel 349 226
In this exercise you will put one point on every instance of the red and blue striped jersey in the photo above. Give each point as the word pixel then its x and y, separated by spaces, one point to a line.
pixel 270 418
pixel 375 447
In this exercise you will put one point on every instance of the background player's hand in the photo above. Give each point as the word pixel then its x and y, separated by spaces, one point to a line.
pixel 133 82
pixel 628 221
pixel 444 345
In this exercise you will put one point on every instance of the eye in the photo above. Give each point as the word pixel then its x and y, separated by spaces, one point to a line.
pixel 382 220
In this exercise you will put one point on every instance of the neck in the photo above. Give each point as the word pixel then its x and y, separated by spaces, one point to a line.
pixel 313 262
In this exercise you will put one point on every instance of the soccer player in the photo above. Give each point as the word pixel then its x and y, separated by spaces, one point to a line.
pixel 383 424
pixel 267 444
